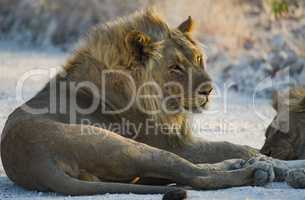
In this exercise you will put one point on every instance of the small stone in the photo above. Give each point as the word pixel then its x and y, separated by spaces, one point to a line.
pixel 178 194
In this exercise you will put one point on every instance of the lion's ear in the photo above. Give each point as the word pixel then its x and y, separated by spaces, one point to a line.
pixel 138 43
pixel 187 26
pixel 275 99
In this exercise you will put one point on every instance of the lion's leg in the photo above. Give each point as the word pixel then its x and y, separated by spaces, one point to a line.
pixel 56 180
pixel 231 173
pixel 121 158
pixel 124 156
pixel 140 160
pixel 211 176
pixel 198 151
pixel 256 174
pixel 226 165
pixel 157 163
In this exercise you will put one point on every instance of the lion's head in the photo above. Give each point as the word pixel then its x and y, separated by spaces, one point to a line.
pixel 165 64
pixel 285 136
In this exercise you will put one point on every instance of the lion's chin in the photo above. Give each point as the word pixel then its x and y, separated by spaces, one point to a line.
pixel 196 109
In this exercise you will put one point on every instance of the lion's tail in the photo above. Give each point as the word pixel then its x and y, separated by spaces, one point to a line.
pixel 54 178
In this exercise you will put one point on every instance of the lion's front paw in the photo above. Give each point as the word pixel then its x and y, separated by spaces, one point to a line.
pixel 263 172
pixel 296 178
pixel 279 167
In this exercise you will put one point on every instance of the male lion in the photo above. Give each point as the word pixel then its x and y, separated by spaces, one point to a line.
pixel 46 146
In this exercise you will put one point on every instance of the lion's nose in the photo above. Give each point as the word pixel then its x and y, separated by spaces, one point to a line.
pixel 206 90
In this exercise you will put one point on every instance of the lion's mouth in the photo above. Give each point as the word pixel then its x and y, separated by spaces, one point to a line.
pixel 283 151
pixel 196 105
pixel 183 104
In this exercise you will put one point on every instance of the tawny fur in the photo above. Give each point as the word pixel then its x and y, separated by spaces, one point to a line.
pixel 54 151
pixel 285 137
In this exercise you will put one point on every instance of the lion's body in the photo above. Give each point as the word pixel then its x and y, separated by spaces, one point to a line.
pixel 56 151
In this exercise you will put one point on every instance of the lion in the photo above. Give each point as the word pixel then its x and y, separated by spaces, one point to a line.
pixel 284 136
pixel 64 139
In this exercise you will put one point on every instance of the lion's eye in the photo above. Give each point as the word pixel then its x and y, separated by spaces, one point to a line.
pixel 176 68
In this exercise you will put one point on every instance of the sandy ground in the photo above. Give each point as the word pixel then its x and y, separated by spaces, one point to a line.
pixel 235 119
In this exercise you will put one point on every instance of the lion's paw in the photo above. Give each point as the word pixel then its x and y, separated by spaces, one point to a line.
pixel 279 167
pixel 263 173
pixel 296 178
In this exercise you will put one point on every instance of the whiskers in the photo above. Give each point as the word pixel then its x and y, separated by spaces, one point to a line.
pixel 195 104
